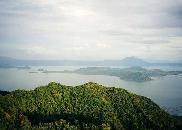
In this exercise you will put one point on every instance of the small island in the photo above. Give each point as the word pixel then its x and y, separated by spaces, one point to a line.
pixel 137 74
pixel 23 67
pixel 33 72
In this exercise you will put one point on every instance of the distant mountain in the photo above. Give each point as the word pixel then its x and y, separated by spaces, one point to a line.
pixel 133 61
pixel 85 107
pixel 8 62
pixel 128 61
pixel 4 58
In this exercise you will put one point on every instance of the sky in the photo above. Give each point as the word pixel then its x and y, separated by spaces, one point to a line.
pixel 91 29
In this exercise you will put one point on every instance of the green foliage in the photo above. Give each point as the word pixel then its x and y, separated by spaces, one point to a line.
pixel 88 106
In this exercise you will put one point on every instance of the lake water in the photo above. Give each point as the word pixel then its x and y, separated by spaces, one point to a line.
pixel 165 91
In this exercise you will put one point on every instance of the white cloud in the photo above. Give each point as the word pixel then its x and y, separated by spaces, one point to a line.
pixel 102 45
pixel 39 50
pixel 91 29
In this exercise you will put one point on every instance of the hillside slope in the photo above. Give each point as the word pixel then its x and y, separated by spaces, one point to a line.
pixel 88 106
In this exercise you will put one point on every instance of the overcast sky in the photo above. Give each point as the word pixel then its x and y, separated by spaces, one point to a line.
pixel 91 29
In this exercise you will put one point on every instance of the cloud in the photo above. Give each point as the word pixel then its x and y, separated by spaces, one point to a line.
pixel 102 45
pixel 91 29
pixel 38 50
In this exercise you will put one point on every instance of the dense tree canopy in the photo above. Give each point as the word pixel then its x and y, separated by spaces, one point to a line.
pixel 88 106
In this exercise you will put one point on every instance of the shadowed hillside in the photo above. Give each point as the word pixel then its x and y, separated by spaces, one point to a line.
pixel 88 106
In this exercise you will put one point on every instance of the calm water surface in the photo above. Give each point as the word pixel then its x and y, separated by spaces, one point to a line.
pixel 165 91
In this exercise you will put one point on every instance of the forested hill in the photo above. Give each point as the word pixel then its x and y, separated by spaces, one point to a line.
pixel 88 106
